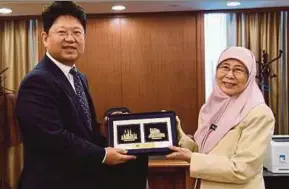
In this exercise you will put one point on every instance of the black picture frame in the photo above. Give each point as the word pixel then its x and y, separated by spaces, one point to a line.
pixel 161 122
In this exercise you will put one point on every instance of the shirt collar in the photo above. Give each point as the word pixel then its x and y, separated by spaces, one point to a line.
pixel 64 68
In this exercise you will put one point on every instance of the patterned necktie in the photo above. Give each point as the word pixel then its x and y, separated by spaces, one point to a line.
pixel 81 96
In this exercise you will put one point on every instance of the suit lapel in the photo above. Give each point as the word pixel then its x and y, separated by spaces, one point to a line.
pixel 63 81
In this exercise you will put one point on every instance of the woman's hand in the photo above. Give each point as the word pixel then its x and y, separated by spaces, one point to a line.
pixel 180 132
pixel 179 128
pixel 179 154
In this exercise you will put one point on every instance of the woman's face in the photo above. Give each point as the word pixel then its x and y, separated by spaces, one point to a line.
pixel 232 76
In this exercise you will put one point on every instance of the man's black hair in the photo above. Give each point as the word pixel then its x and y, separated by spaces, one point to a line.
pixel 62 8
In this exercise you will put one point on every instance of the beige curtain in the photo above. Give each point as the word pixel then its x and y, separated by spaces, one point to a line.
pixel 262 31
pixel 18 53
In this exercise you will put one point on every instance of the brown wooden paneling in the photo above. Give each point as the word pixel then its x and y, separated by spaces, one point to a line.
pixel 101 63
pixel 169 174
pixel 160 70
pixel 167 178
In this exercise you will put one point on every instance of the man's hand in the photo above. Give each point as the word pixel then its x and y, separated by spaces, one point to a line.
pixel 116 156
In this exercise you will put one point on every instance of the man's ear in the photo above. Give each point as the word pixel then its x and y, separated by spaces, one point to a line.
pixel 85 36
pixel 44 37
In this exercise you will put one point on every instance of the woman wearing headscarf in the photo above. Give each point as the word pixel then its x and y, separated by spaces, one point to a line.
pixel 234 129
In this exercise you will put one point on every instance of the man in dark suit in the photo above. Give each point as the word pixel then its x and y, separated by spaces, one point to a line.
pixel 63 148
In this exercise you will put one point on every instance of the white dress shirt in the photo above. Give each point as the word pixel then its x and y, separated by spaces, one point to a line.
pixel 66 69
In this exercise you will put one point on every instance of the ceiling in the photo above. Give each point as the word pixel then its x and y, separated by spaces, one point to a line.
pixel 22 7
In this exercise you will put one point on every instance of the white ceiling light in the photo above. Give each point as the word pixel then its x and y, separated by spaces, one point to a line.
pixel 118 7
pixel 233 3
pixel 5 10
pixel 174 5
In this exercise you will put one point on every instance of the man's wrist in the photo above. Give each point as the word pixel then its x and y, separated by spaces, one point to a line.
pixel 104 156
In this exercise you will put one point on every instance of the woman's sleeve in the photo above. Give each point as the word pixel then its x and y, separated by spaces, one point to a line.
pixel 247 159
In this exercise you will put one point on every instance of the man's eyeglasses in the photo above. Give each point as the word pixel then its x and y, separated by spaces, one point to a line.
pixel 76 34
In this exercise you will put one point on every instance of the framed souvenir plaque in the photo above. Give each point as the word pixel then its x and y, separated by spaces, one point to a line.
pixel 143 133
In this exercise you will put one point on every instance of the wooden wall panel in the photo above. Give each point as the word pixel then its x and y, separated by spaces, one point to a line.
pixel 138 76
pixel 101 64
pixel 159 58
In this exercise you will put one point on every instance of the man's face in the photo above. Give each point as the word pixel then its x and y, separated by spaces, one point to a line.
pixel 65 39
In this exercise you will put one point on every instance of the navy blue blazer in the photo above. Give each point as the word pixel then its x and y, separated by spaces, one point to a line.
pixel 60 151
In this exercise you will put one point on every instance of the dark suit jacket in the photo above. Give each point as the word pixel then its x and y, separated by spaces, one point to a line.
pixel 60 151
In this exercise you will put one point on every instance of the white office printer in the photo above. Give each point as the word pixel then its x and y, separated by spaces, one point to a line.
pixel 277 156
